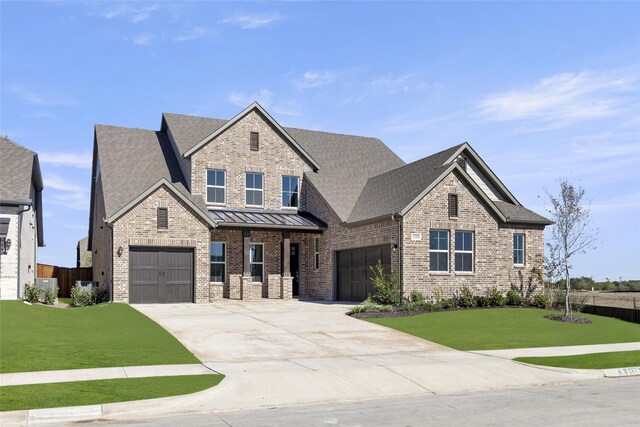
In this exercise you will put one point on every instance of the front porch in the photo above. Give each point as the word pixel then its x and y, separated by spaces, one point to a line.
pixel 261 255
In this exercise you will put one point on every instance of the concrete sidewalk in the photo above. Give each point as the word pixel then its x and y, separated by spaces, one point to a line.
pixel 559 351
pixel 41 377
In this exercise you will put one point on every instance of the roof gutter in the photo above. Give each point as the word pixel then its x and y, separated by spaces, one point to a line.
pixel 15 202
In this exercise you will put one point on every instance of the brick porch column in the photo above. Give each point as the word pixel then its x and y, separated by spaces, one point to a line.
pixel 286 254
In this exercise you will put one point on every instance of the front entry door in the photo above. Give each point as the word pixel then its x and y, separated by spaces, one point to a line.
pixel 293 259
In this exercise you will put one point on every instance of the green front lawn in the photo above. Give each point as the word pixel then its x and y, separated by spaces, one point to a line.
pixel 13 398
pixel 38 338
pixel 501 328
pixel 617 359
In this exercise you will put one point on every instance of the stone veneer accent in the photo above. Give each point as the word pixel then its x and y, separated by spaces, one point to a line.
pixel 138 227
pixel 493 245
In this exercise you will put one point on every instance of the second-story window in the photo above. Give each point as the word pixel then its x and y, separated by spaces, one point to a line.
pixel 254 189
pixel 290 191
pixel 215 186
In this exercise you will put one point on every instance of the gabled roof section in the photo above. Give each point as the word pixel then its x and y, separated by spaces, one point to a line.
pixel 254 107
pixel 132 161
pixel 394 190
pixel 188 131
pixel 399 190
pixel 180 193
pixel 466 149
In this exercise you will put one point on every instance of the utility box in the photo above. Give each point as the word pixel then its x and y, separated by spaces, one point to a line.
pixel 84 284
pixel 47 283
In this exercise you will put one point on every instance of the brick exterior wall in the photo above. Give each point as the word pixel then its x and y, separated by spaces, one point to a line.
pixel 230 151
pixel 138 227
pixel 320 282
pixel 493 243
pixel 101 243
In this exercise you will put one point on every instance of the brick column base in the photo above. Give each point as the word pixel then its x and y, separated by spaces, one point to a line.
pixel 235 286
pixel 216 291
pixel 287 287
pixel 274 284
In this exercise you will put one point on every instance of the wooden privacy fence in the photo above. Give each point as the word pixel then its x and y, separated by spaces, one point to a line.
pixel 67 277
pixel 628 314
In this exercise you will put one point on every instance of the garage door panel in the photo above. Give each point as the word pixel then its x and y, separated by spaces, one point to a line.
pixel 354 271
pixel 159 275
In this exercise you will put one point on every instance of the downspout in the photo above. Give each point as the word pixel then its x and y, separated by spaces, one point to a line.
pixel 110 227
pixel 393 218
pixel 20 212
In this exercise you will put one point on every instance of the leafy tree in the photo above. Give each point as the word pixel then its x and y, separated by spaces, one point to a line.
pixel 572 232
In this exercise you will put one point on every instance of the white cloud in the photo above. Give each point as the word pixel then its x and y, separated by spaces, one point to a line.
pixel 562 99
pixel 48 99
pixel 192 34
pixel 143 39
pixel 132 13
pixel 626 202
pixel 77 160
pixel 66 193
pixel 264 97
pixel 251 22
pixel 407 83
pixel 313 79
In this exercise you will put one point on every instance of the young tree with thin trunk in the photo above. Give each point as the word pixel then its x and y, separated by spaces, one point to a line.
pixel 572 232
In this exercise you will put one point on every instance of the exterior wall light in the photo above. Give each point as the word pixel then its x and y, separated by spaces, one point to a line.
pixel 5 244
pixel 394 247
pixel 120 251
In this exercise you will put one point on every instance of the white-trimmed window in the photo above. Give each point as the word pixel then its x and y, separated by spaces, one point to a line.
pixel 439 250
pixel 256 261
pixel 218 262
pixel 290 191
pixel 216 186
pixel 518 248
pixel 316 252
pixel 254 189
pixel 464 251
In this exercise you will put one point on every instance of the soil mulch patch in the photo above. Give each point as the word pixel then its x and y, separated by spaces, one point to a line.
pixel 383 314
pixel 569 319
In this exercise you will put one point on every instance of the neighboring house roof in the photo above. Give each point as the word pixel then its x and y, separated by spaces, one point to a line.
pixel 125 177
pixel 19 168
pixel 266 219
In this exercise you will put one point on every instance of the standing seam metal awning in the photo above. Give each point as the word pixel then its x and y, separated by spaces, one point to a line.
pixel 249 218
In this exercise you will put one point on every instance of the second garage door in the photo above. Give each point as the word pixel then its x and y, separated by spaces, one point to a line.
pixel 160 275
pixel 354 272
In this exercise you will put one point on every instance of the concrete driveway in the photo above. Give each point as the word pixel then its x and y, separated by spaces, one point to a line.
pixel 277 353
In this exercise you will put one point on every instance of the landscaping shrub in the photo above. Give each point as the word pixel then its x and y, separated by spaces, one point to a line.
pixel 386 285
pixel 368 305
pixel 31 293
pixel 85 296
pixel 416 297
pixel 49 295
pixel 513 298
pixel 466 298
pixel 577 301
pixel 482 301
pixel 541 301
pixel 495 297
pixel 446 304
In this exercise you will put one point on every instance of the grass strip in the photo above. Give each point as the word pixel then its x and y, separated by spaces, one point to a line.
pixel 39 338
pixel 615 359
pixel 504 328
pixel 34 396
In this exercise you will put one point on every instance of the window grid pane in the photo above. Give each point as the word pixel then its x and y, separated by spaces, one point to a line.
pixel 254 189
pixel 216 186
pixel 439 250
pixel 290 191
pixel 217 261
pixel 518 249
pixel 464 251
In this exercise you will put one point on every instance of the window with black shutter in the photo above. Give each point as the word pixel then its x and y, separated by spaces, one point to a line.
pixel 453 205
pixel 163 218
pixel 254 141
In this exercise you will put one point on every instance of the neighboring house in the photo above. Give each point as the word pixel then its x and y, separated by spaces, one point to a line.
pixel 206 209
pixel 20 217
pixel 83 255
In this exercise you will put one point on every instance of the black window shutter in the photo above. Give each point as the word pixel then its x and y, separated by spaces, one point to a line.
pixel 254 141
pixel 163 218
pixel 453 205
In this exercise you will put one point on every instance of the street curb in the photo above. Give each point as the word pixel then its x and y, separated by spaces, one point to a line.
pixel 631 371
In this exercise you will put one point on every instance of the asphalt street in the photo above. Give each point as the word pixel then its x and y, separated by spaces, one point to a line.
pixel 603 402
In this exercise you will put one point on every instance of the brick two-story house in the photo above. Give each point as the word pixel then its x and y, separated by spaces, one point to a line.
pixel 206 209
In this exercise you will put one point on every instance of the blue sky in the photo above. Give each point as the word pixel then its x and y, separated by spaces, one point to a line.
pixel 541 90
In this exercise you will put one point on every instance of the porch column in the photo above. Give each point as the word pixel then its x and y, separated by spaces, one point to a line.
pixel 246 237
pixel 286 254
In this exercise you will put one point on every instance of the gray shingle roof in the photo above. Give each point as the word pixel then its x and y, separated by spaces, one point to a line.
pixel 132 161
pixel 346 161
pixel 16 171
pixel 394 190
pixel 520 214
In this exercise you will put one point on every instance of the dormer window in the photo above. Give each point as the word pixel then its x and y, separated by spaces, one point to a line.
pixel 254 141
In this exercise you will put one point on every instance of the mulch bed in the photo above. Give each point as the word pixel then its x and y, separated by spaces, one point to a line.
pixel 568 319
pixel 392 313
